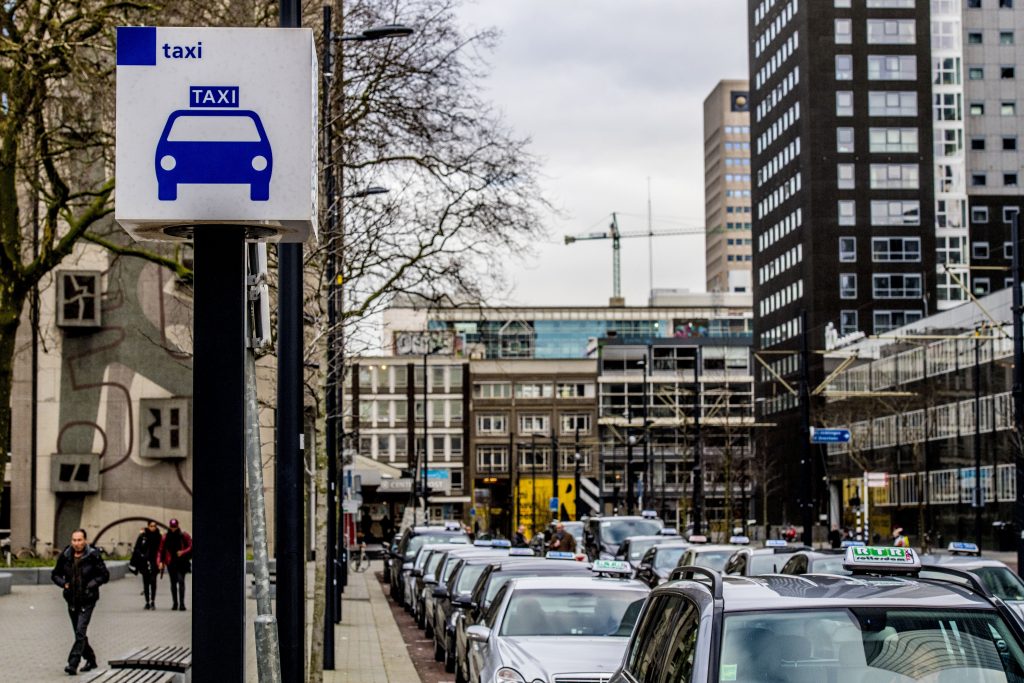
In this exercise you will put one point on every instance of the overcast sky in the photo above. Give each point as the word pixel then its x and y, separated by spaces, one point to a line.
pixel 611 93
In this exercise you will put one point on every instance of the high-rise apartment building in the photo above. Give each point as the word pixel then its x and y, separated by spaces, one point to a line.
pixel 727 187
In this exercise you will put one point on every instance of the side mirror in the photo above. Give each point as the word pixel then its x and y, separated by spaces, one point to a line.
pixel 430 580
pixel 478 634
pixel 644 567
pixel 440 592
pixel 464 602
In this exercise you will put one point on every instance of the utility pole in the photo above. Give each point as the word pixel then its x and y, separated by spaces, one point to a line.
pixel 806 461
pixel 646 433
pixel 698 450
pixel 979 500
pixel 1018 390
pixel 630 493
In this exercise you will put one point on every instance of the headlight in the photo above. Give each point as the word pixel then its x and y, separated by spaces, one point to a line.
pixel 167 162
pixel 507 675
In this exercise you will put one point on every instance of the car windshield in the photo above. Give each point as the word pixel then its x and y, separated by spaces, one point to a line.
pixel 894 645
pixel 618 530
pixel 713 559
pixel 765 564
pixel 666 558
pixel 204 128
pixel 828 565
pixel 468 578
pixel 546 612
pixel 638 548
pixel 417 542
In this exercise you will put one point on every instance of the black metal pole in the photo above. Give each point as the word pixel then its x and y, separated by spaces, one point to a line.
pixel 554 474
pixel 698 450
pixel 806 475
pixel 577 462
pixel 424 480
pixel 1018 390
pixel 513 477
pixel 648 494
pixel 218 474
pixel 533 484
pixel 979 499
pixel 630 492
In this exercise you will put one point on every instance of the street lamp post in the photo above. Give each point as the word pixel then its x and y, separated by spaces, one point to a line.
pixel 645 498
pixel 1018 389
pixel 979 500
pixel 577 461
pixel 533 484
pixel 698 450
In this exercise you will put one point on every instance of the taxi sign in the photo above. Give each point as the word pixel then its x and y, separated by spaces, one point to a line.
pixel 520 552
pixel 482 543
pixel 452 525
pixel 560 555
pixel 501 543
pixel 698 539
pixel 851 544
pixel 963 548
pixel 881 559
pixel 739 540
pixel 611 567
pixel 775 543
pixel 669 531
pixel 649 514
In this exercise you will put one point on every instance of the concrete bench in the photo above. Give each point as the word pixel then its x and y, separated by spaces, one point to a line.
pixel 172 658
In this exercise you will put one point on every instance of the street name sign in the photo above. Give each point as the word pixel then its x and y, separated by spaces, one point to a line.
pixel 830 435
pixel 216 126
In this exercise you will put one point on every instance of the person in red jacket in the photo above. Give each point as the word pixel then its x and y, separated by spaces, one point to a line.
pixel 176 555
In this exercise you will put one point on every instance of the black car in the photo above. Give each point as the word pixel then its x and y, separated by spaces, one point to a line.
pixel 603 536
pixel 412 540
pixel 449 606
pixel 659 561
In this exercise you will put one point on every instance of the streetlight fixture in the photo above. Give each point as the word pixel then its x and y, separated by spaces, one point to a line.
pixel 374 33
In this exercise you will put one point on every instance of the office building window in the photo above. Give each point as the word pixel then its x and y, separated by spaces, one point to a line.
pixel 847 322
pixel 977 109
pixel 1006 37
pixel 491 459
pixel 981 286
pixel 491 424
pixel 534 424
pixel 978 180
pixel 895 249
pixel 896 286
pixel 892 103
pixel 533 390
pixel 1007 250
pixel 979 250
pixel 975 73
pixel 1007 109
pixel 974 38
pixel 1007 73
pixel 1005 4
pixel 896 212
pixel 576 389
pixel 1010 179
pixel 947 107
pixel 973 4
pixel 947 70
pixel 844 177
pixel 844 67
pixel 847 249
pixel 844 140
pixel 572 422
pixel 1008 212
pixel 844 31
pixel 891 32
pixel 1010 143
pixel 847 212
pixel 894 177
pixel 978 144
pixel 847 285
pixel 844 103
pixel 891 67
pixel 979 214
pixel 884 321
pixel 892 140
pixel 492 390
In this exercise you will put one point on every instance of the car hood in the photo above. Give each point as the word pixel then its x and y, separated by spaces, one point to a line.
pixel 546 656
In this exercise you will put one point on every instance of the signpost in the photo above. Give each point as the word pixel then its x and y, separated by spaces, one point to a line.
pixel 216 141
pixel 830 435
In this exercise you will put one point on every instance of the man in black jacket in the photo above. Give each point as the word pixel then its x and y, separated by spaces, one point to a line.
pixel 80 571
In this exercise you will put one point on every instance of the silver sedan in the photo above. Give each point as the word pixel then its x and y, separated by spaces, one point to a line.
pixel 544 629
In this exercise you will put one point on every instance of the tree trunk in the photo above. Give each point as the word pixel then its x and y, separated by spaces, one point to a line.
pixel 10 318
pixel 316 645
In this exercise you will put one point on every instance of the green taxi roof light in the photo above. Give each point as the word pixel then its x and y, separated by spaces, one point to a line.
pixel 881 560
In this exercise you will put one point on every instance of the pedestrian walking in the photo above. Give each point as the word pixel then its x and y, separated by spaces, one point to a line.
pixel 145 561
pixel 562 540
pixel 176 557
pixel 519 538
pixel 835 538
pixel 80 571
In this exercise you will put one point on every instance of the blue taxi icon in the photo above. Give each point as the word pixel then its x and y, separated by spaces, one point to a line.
pixel 211 147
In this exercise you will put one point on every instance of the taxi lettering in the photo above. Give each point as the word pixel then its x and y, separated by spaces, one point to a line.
pixel 183 51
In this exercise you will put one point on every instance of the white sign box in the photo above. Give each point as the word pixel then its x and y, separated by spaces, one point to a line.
pixel 216 126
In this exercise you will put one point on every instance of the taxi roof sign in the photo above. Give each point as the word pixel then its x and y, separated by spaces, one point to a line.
pixel 560 555
pixel 501 543
pixel 452 525
pixel 963 548
pixel 697 538
pixel 850 544
pixel 520 552
pixel 775 543
pixel 612 567
pixel 669 531
pixel 881 560
pixel 483 543
pixel 739 540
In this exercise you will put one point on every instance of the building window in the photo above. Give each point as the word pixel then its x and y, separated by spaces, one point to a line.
pixel 847 249
pixel 896 286
pixel 572 422
pixel 974 38
pixel 1010 179
pixel 844 140
pixel 947 107
pixel 847 285
pixel 848 322
pixel 533 390
pixel 979 214
pixel 978 144
pixel 977 109
pixel 1010 143
pixel 534 424
pixel 891 32
pixel 164 428
pixel 844 103
pixel 973 4
pixel 892 140
pixel 1007 73
pixel 1008 213
pixel 78 298
pixel 532 457
pixel 844 67
pixel 841 4
pixel 844 31
pixel 894 177
pixel 896 212
pixel 847 212
pixel 885 321
pixel 892 103
pixel 895 249
pixel 491 424
pixel 1008 250
pixel 456 479
pixel 491 459
pixel 1006 37
pixel 978 180
pixel 981 286
pixel 975 73
pixel 492 390
pixel 575 390
pixel 1008 109
pixel 1005 4
pixel 567 457
pixel 891 67
pixel 844 177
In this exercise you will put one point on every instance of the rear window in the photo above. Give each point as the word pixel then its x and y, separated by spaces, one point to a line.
pixel 417 542
pixel 618 530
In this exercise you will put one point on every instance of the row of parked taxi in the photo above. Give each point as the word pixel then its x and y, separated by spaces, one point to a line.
pixel 729 612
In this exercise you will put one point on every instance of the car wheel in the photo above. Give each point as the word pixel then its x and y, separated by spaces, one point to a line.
pixel 167 191
pixel 438 650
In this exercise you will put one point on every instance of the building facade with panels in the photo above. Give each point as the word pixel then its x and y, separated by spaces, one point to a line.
pixel 920 406
pixel 727 187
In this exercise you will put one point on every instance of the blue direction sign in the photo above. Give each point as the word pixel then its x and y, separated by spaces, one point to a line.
pixel 830 435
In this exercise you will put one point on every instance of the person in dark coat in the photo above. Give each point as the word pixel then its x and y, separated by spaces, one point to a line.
pixel 145 558
pixel 562 540
pixel 80 571
pixel 176 556
pixel 519 538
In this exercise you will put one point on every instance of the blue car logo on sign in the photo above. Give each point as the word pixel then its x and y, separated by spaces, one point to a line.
pixel 214 143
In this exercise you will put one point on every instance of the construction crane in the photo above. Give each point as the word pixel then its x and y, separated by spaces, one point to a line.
pixel 615 235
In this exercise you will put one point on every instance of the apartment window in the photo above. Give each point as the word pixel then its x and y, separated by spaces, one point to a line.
pixel 894 177
pixel 884 321
pixel 844 139
pixel 844 31
pixel 847 249
pixel 847 322
pixel 1010 143
pixel 974 38
pixel 978 144
pixel 891 32
pixel 844 67
pixel 979 214
pixel 1007 250
pixel 1006 37
pixel 976 109
pixel 572 422
pixel 534 424
pixel 491 459
pixel 1010 179
pixel 895 249
pixel 844 177
pixel 896 286
pixel 841 4
pixel 981 286
pixel 847 212
pixel 492 390
pixel 1008 109
pixel 891 67
pixel 892 140
pixel 847 285
pixel 892 103
pixel 896 212
pixel 975 73
pixel 491 424
pixel 1008 212
pixel 844 103
pixel 567 457
pixel 978 180
pixel 1005 4
pixel 1007 73
pixel 533 457
pixel 533 390
pixel 78 298
pixel 575 390
pixel 947 71
pixel 947 107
